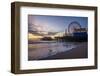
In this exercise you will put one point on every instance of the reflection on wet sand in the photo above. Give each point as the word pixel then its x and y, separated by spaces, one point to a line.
pixel 44 49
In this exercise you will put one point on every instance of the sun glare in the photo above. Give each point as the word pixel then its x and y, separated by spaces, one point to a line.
pixel 32 36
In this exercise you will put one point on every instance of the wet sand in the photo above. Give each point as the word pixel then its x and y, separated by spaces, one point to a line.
pixel 43 50
pixel 79 52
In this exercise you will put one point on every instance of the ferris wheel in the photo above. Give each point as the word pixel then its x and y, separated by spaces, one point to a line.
pixel 72 26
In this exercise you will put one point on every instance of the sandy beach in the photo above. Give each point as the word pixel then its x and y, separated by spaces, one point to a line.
pixel 79 52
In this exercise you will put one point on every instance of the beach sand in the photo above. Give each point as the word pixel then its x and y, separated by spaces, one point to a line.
pixel 79 52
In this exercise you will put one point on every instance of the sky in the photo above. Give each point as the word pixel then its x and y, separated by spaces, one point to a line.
pixel 54 23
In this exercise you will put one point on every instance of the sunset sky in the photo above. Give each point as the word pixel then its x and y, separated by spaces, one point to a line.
pixel 53 23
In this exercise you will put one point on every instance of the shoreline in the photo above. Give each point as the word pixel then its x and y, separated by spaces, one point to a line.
pixel 79 52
